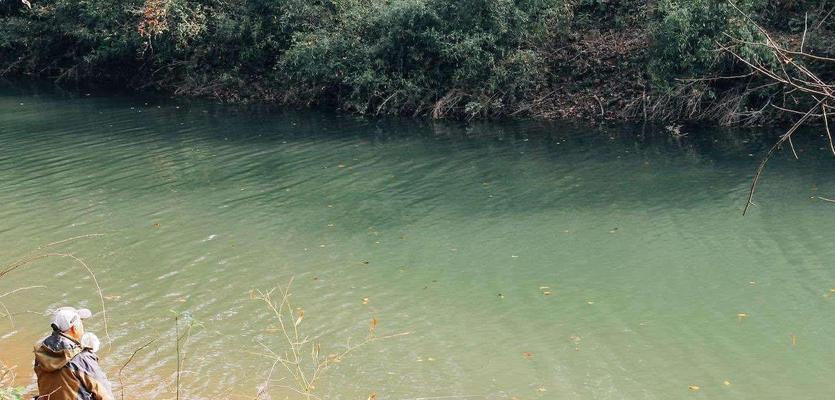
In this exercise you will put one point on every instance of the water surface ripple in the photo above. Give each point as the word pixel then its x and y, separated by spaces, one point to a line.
pixel 530 260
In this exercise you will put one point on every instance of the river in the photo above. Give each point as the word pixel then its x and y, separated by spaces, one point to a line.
pixel 528 260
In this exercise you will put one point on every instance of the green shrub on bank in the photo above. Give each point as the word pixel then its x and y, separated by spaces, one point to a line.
pixel 445 58
pixel 689 32
pixel 406 56
pixel 68 39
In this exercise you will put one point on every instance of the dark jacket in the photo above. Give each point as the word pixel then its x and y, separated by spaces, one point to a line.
pixel 65 372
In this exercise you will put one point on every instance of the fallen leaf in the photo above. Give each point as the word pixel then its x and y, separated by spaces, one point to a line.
pixel 300 317
pixel 693 388
pixel 727 382
pixel 527 354
pixel 374 322
pixel 372 396
pixel 365 300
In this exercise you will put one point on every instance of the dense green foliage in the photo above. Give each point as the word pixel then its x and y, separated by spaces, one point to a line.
pixel 470 58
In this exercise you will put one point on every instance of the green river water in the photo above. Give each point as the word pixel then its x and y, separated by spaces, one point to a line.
pixel 528 260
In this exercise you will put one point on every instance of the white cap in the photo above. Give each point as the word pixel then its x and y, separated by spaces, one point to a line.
pixel 90 341
pixel 66 317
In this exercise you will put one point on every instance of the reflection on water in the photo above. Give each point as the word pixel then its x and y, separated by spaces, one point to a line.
pixel 530 260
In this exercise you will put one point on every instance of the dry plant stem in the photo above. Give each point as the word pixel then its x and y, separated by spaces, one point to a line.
pixel 7 313
pixel 121 382
pixel 27 260
pixel 180 359
pixel 305 372
pixel 177 339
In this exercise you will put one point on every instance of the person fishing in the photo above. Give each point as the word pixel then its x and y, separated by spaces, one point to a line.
pixel 66 368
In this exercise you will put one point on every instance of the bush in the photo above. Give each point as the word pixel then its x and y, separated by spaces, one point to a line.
pixel 689 33
pixel 406 55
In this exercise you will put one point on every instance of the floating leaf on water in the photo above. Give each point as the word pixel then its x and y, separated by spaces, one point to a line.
pixel 741 316
pixel 589 302
pixel 541 389
pixel 527 354
pixel 694 388
pixel 372 396
pixel 794 339
pixel 365 300
pixel 727 382
pixel 575 338
pixel 547 293
pixel 300 314
pixel 156 225
pixel 374 323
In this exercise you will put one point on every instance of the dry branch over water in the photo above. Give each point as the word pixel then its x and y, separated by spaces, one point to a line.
pixel 793 70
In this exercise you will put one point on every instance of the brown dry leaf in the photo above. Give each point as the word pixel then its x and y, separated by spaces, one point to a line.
pixel 300 317
pixel 374 323
pixel 527 354
pixel 372 396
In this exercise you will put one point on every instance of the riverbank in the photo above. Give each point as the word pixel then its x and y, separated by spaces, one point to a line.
pixel 486 59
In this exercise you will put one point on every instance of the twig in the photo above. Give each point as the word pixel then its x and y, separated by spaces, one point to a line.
pixel 121 382
pixel 771 151
pixel 21 289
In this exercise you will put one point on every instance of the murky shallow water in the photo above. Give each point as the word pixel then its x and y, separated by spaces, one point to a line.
pixel 452 233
